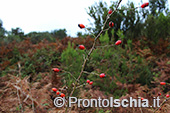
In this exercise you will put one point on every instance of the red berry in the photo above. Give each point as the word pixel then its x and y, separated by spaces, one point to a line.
pixel 55 69
pixel 162 83
pixel 118 42
pixel 88 81
pixel 81 47
pixel 111 24
pixel 57 92
pixel 159 94
pixel 91 82
pixel 142 98
pixel 167 95
pixel 81 26
pixel 62 95
pixel 110 11
pixel 54 89
pixel 145 5
pixel 102 75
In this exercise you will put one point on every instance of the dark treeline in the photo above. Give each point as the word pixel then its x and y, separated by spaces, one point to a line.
pixel 16 34
pixel 153 22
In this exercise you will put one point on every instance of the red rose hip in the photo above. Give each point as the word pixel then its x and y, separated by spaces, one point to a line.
pixel 102 75
pixel 145 5
pixel 55 69
pixel 162 83
pixel 142 98
pixel 81 26
pixel 118 42
pixel 57 92
pixel 167 96
pixel 54 89
pixel 91 82
pixel 62 95
pixel 110 11
pixel 159 94
pixel 88 81
pixel 81 47
pixel 111 24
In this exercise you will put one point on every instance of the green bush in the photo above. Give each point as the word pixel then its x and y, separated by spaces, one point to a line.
pixel 104 38
pixel 40 62
pixel 125 67
pixel 37 37
pixel 157 27
pixel 120 65
pixel 72 60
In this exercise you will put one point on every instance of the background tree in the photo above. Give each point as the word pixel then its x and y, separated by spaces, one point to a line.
pixel 79 34
pixel 152 22
pixel 2 30
pixel 157 23
pixel 132 23
pixel 157 6
pixel 127 20
pixel 61 33
pixel 98 12
pixel 37 37
pixel 18 32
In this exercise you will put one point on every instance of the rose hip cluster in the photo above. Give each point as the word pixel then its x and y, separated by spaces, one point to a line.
pixel 89 82
pixel 55 89
pixel 102 75
pixel 58 93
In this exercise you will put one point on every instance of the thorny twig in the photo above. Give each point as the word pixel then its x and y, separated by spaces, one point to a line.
pixel 90 73
pixel 69 74
pixel 81 85
pixel 162 104
pixel 91 50
pixel 24 93
pixel 105 46
pixel 20 104
pixel 33 107
pixel 19 73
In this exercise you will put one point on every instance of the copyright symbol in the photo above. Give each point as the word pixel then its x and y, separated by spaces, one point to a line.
pixel 59 101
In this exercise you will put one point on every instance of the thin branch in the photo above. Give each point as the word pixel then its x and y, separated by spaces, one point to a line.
pixel 20 101
pixel 105 46
pixel 162 104
pixel 25 95
pixel 90 73
pixel 69 74
pixel 91 50
pixel 33 108
pixel 20 68
pixel 130 8
pixel 90 32
pixel 81 85
pixel 106 29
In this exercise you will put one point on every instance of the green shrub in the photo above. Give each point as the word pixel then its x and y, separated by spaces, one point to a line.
pixel 157 27
pixel 40 62
pixel 125 67
pixel 104 38
pixel 37 37
pixel 72 60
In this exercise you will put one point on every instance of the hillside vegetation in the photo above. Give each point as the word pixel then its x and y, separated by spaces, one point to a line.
pixel 135 68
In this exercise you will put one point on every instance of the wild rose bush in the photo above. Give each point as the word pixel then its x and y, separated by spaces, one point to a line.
pixel 78 75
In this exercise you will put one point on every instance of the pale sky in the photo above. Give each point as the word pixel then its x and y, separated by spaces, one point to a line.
pixel 47 15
